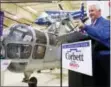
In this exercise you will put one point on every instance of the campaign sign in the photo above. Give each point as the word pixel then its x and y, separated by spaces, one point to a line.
pixel 77 57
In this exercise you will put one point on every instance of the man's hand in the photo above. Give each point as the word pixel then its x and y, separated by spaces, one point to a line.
pixel 78 23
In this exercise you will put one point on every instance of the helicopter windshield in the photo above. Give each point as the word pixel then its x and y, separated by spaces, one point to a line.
pixel 22 51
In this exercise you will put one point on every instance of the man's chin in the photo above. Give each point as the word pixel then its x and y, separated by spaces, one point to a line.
pixel 92 19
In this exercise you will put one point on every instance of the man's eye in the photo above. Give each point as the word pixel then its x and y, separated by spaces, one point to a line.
pixel 91 10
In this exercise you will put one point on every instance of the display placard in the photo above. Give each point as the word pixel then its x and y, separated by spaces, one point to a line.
pixel 77 56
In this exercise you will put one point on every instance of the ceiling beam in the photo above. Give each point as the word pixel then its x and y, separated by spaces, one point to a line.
pixel 27 1
pixel 5 25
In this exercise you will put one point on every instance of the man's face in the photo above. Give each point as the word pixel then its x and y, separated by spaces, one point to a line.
pixel 94 13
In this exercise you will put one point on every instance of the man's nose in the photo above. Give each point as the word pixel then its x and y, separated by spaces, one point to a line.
pixel 90 14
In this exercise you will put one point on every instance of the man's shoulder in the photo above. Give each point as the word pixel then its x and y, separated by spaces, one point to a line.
pixel 104 21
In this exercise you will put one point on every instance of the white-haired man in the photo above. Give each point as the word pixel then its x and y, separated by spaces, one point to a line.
pixel 99 30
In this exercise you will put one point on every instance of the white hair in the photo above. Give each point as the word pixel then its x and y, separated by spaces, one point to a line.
pixel 97 6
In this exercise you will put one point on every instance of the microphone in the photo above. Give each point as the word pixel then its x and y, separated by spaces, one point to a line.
pixel 85 19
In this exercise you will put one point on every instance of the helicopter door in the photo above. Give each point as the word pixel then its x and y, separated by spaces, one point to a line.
pixel 38 56
pixel 50 58
pixel 39 50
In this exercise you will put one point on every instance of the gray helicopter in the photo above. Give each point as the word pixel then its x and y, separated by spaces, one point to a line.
pixel 31 49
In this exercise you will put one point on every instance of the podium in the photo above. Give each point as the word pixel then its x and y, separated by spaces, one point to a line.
pixel 101 67
pixel 77 79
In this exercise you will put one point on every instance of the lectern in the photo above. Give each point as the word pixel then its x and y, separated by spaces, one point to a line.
pixel 77 79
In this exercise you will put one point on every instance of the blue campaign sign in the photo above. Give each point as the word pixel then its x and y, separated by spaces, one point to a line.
pixel 1 22
pixel 77 56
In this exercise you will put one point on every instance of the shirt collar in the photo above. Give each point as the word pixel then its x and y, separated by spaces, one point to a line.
pixel 93 23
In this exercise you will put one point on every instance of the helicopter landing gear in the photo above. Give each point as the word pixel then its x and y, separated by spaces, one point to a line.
pixel 32 82
pixel 39 71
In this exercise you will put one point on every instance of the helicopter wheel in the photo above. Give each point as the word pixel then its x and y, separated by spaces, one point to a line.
pixel 51 68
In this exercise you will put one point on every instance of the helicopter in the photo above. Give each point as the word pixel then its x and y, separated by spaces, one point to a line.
pixel 49 16
pixel 31 49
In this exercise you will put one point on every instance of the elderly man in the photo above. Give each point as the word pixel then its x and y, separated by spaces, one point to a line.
pixel 99 30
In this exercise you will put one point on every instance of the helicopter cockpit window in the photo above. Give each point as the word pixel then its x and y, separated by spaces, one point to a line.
pixel 22 51
pixel 41 38
pixel 15 35
pixel 39 52
pixel 40 48
pixel 20 33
